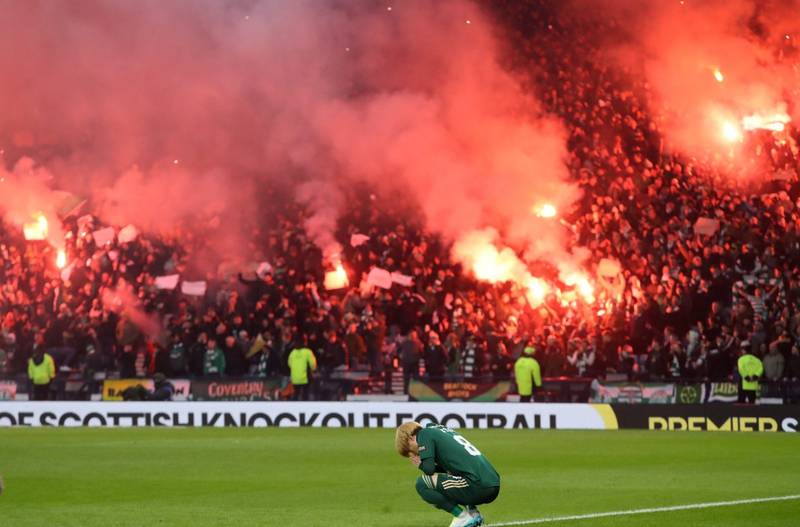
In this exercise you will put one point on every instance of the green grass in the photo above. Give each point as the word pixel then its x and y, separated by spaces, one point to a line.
pixel 330 477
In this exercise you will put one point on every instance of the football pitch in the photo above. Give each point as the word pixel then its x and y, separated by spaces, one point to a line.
pixel 348 477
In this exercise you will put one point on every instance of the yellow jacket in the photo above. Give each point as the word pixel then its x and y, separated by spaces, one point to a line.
pixel 42 373
pixel 527 372
pixel 300 359
pixel 750 367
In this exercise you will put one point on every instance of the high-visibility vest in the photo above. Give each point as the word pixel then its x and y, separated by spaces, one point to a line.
pixel 42 373
pixel 527 372
pixel 750 366
pixel 300 359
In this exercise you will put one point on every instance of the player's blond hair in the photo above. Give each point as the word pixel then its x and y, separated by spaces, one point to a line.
pixel 402 438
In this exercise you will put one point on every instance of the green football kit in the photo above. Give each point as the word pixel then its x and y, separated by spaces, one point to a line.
pixel 463 475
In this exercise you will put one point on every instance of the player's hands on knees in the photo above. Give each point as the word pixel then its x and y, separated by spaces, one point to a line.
pixel 414 460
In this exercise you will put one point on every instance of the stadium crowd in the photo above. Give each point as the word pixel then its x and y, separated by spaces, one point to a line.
pixel 684 306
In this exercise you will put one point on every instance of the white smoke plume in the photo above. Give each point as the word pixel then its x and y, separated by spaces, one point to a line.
pixel 323 203
pixel 124 302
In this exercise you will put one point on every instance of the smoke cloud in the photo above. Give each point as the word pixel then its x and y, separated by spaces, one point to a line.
pixel 123 301
pixel 27 200
pixel 164 112
pixel 708 65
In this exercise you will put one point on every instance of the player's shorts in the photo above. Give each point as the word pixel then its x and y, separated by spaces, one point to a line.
pixel 461 490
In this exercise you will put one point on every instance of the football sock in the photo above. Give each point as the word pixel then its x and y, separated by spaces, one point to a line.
pixel 438 500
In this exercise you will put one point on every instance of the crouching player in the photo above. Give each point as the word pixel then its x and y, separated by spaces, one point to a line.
pixel 455 473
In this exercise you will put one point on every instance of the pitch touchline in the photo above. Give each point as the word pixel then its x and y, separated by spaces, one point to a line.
pixel 646 511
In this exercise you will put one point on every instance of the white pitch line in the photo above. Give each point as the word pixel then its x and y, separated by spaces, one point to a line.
pixel 646 511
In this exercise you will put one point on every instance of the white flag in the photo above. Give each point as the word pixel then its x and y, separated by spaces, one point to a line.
pixel 103 236
pixel 380 278
pixel 358 239
pixel 403 279
pixel 169 281
pixel 193 288
pixel 67 272
pixel 127 234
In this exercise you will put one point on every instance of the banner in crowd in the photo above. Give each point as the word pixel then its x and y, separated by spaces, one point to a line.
pixel 357 240
pixel 103 236
pixel 239 390
pixel 8 390
pixel 194 288
pixel 403 279
pixel 433 391
pixel 169 281
pixel 720 392
pixel 658 393
pixel 127 234
pixel 378 277
pixel 661 393
pixel 313 414
pixel 113 388
pixel 713 417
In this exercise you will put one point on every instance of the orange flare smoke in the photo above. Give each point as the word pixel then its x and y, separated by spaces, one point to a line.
pixel 336 279
pixel 37 229
pixel 774 122
pixel 545 210
pixel 537 291
pixel 731 132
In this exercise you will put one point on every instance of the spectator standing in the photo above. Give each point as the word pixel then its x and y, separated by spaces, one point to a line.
pixel 333 353
pixel 773 365
pixel 41 372
pixel 235 361
pixel 750 370
pixel 470 357
pixel 301 361
pixel 582 358
pixel 356 346
pixel 410 351
pixel 177 357
pixel 793 372
pixel 197 354
pixel 127 362
pixel 435 357
pixel 214 360
pixel 527 374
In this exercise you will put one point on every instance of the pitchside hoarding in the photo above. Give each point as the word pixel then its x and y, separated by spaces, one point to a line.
pixel 113 388
pixel 238 390
pixel 294 414
pixel 687 417
pixel 711 417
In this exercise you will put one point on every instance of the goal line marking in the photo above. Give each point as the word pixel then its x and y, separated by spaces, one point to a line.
pixel 646 511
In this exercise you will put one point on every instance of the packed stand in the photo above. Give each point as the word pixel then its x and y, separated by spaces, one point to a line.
pixel 686 306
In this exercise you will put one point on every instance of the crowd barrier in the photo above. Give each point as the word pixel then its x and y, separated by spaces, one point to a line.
pixel 689 392
pixel 552 416
pixel 553 390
